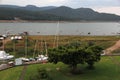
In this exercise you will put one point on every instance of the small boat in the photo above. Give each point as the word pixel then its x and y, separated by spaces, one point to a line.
pixel 5 56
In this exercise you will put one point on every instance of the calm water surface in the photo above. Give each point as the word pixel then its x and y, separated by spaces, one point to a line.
pixel 65 28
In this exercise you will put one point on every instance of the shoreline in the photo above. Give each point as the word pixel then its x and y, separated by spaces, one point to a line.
pixel 48 21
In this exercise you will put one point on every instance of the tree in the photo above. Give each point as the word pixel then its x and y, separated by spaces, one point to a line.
pixel 92 55
pixel 71 57
pixel 73 45
pixel 90 43
pixel 75 55
pixel 55 54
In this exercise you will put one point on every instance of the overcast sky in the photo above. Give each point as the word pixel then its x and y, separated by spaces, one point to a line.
pixel 108 6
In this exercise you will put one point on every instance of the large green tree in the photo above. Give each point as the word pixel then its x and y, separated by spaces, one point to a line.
pixel 92 55
pixel 71 57
pixel 75 55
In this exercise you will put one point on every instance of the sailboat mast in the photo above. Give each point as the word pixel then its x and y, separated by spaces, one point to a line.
pixel 46 48
pixel 56 36
pixel 26 47
pixel 26 43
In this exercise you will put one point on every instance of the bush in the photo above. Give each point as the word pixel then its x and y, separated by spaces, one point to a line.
pixel 41 75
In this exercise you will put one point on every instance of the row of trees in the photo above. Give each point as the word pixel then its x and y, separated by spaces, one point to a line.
pixel 10 14
pixel 72 54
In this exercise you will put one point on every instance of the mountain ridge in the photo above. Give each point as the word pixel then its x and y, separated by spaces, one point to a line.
pixel 31 12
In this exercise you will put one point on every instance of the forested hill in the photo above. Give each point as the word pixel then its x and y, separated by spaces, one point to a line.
pixel 30 12
pixel 11 14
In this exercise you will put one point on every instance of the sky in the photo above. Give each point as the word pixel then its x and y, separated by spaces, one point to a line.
pixel 107 6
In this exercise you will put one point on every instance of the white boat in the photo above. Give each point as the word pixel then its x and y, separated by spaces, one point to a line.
pixel 5 56
pixel 25 59
pixel 42 58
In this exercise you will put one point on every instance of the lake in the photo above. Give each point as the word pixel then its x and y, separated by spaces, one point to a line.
pixel 63 28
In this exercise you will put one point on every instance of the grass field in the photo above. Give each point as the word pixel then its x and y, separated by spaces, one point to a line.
pixel 11 74
pixel 107 69
pixel 18 48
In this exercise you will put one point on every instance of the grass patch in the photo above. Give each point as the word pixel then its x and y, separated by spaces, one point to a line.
pixel 103 41
pixel 11 74
pixel 106 69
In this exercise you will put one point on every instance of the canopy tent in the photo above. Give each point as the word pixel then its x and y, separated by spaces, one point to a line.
pixel 5 56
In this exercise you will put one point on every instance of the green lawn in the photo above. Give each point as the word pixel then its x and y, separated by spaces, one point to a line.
pixel 11 74
pixel 106 69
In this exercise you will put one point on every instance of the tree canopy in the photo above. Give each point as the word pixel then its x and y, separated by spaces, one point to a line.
pixel 75 55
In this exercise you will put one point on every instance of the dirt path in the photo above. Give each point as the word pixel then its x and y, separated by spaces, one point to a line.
pixel 22 75
pixel 112 48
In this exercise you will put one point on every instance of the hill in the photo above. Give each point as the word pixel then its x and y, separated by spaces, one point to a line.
pixel 31 12
pixel 13 13
pixel 83 14
pixel 35 8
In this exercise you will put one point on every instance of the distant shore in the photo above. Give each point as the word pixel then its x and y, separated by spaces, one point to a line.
pixel 46 21
pixel 12 21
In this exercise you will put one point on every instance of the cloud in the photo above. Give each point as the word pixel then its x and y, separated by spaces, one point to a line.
pixel 0 1
pixel 93 3
pixel 34 2
pixel 112 10
pixel 72 3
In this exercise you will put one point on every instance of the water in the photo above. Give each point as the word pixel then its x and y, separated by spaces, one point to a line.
pixel 65 28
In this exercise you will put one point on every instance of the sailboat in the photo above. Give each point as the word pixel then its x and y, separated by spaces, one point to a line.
pixel 3 54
